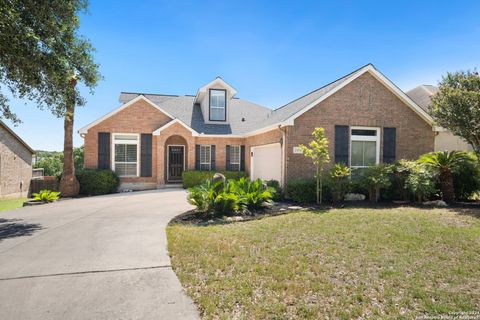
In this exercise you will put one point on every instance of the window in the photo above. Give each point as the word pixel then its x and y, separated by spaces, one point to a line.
pixel 125 162
pixel 218 101
pixel 205 157
pixel 365 147
pixel 235 158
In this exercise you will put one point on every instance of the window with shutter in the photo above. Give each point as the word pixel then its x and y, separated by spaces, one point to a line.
pixel 365 147
pixel 235 158
pixel 205 157
pixel 126 149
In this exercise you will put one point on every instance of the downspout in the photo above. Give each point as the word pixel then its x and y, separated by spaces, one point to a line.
pixel 283 143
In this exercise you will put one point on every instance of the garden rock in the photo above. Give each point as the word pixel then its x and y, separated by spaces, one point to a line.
pixel 354 197
pixel 436 203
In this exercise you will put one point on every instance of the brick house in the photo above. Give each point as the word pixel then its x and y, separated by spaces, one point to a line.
pixel 15 164
pixel 151 138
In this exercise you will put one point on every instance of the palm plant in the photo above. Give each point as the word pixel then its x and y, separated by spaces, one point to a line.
pixel 443 165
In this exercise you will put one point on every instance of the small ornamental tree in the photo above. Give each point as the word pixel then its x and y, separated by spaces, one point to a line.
pixel 456 106
pixel 317 150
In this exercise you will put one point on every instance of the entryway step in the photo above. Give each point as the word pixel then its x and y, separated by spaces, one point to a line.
pixel 172 185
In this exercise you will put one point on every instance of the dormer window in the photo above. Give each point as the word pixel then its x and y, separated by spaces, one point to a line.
pixel 218 102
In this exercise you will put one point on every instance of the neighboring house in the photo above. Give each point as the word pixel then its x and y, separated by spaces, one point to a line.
pixel 151 138
pixel 444 139
pixel 15 164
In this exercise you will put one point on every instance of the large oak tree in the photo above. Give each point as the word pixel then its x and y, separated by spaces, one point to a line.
pixel 42 58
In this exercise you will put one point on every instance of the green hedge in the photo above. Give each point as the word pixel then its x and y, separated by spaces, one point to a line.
pixel 192 178
pixel 96 182
pixel 304 190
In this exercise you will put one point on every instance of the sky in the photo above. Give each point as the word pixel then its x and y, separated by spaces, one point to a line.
pixel 271 52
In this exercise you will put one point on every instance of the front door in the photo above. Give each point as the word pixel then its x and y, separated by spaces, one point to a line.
pixel 175 163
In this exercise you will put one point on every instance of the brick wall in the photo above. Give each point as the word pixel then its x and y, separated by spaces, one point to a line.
pixel 15 166
pixel 363 102
pixel 140 117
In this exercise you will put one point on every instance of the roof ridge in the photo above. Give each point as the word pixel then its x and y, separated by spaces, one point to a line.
pixel 322 87
pixel 150 94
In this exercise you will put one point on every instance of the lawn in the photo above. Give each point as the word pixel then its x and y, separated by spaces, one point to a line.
pixel 340 264
pixel 10 204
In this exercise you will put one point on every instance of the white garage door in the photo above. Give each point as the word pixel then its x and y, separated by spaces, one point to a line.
pixel 266 162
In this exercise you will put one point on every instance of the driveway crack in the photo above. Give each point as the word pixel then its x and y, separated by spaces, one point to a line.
pixel 85 272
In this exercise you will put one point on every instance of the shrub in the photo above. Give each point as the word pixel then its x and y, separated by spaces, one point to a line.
pixel 339 181
pixel 46 196
pixel 420 182
pixel 96 182
pixel 192 178
pixel 375 178
pixel 304 190
pixel 230 196
pixel 277 190
pixel 444 165
pixel 466 178
pixel 254 194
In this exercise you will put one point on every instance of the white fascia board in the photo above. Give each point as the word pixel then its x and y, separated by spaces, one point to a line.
pixel 217 80
pixel 84 130
pixel 369 68
pixel 159 130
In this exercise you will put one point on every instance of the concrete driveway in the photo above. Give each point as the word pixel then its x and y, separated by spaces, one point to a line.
pixel 92 258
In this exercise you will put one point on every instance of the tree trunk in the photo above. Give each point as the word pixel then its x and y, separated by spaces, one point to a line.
pixel 318 189
pixel 69 185
pixel 446 186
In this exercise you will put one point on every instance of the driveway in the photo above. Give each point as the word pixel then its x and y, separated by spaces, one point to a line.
pixel 92 258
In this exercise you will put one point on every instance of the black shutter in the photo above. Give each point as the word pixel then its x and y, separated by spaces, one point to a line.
pixel 146 155
pixel 103 150
pixel 242 158
pixel 212 163
pixel 197 157
pixel 227 160
pixel 341 144
pixel 389 145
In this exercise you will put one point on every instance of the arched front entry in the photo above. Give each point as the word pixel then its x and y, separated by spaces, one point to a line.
pixel 176 158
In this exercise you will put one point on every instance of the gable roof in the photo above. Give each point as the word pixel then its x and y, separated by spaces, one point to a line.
pixel 2 124
pixel 289 112
pixel 422 95
pixel 247 118
pixel 139 97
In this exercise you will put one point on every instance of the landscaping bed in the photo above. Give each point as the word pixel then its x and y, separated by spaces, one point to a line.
pixel 340 263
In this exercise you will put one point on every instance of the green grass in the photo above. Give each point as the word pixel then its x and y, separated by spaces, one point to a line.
pixel 342 264
pixel 10 204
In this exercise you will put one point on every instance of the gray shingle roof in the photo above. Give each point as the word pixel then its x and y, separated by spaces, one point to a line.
pixel 245 116
pixel 183 108
pixel 422 95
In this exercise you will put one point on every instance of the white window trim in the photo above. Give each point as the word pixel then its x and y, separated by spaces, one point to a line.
pixel 376 138
pixel 224 108
pixel 209 156
pixel 168 158
pixel 239 156
pixel 136 142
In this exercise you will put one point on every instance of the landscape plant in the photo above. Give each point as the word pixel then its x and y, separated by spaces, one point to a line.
pixel 443 165
pixel 317 150
pixel 375 178
pixel 254 194
pixel 46 196
pixel 97 182
pixel 339 181
pixel 466 178
pixel 420 182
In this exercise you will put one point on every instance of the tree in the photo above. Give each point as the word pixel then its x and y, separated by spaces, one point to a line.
pixel 42 57
pixel 444 164
pixel 456 106
pixel 52 161
pixel 317 150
